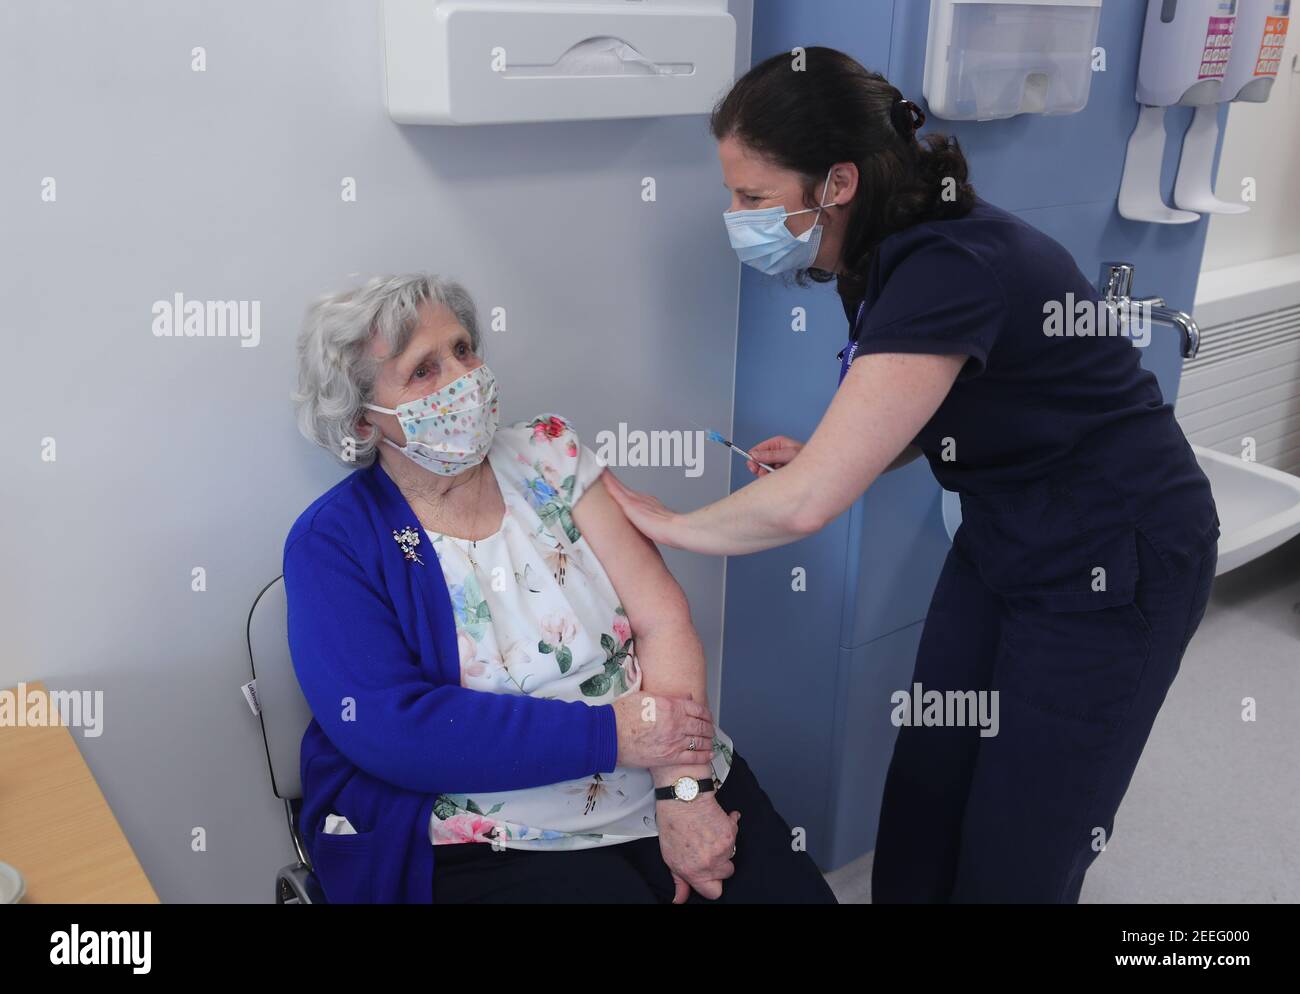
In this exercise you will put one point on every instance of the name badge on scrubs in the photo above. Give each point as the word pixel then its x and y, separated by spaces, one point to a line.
pixel 847 354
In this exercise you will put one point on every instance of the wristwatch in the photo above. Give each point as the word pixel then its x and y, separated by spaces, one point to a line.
pixel 685 789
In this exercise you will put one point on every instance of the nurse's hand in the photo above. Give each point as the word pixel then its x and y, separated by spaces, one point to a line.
pixel 776 452
pixel 648 514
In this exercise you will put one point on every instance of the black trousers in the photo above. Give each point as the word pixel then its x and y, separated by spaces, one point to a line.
pixel 768 870
pixel 1020 816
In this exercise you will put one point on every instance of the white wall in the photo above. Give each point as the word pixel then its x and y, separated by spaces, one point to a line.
pixel 181 453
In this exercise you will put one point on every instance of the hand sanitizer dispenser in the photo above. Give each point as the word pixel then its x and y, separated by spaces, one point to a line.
pixel 507 61
pixel 1196 53
pixel 1257 52
pixel 1185 49
pixel 989 60
pixel 1186 45
pixel 1257 39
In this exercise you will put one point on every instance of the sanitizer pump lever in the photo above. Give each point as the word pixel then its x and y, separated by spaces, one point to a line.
pixel 1194 189
pixel 1139 189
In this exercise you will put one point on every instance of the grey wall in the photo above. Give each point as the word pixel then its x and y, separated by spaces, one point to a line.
pixel 176 453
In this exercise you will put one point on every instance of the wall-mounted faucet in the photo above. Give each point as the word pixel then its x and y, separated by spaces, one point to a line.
pixel 1115 287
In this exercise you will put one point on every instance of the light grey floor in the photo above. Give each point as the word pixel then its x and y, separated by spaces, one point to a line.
pixel 1213 812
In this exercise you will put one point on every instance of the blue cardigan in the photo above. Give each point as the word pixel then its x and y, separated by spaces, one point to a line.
pixel 374 646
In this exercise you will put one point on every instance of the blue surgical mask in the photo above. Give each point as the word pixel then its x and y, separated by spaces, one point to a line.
pixel 762 240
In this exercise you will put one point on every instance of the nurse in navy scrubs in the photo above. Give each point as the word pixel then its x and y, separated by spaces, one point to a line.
pixel 1088 544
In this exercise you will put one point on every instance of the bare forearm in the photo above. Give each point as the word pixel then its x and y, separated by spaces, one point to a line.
pixel 759 516
pixel 667 647
pixel 673 665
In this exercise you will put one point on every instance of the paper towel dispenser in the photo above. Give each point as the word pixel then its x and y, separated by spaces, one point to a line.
pixel 510 61
pixel 991 59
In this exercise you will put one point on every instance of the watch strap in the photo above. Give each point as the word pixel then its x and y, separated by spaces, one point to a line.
pixel 669 793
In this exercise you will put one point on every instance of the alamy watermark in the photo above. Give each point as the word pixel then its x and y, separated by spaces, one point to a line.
pixel 181 318
pixel 651 448
pixel 1087 318
pixel 946 709
pixel 24 708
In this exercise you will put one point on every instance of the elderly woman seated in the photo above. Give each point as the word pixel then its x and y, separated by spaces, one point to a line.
pixel 500 667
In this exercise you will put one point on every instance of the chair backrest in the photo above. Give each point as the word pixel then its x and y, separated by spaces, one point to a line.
pixel 285 714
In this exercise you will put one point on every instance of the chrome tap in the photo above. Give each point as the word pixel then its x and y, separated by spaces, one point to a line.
pixel 1115 286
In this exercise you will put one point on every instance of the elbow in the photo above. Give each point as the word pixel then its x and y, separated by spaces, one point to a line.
pixel 806 518
pixel 814 512
pixel 904 458
pixel 804 506
pixel 670 611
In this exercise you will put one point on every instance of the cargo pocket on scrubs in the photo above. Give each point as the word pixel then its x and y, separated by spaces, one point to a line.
pixel 1075 637
pixel 1054 545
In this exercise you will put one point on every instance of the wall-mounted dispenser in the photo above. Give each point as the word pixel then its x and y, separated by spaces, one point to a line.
pixel 508 61
pixel 1257 39
pixel 1261 36
pixel 1185 49
pixel 985 60
pixel 1196 53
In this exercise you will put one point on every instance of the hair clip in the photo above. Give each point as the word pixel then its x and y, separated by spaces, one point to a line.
pixel 907 117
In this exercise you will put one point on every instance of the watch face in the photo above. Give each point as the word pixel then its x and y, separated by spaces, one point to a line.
pixel 687 789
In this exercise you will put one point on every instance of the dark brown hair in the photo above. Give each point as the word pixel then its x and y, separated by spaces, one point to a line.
pixel 827 108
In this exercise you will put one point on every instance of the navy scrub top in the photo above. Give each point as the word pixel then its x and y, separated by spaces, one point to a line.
pixel 1061 447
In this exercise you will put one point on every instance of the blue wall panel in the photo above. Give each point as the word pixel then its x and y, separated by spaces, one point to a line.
pixel 864 739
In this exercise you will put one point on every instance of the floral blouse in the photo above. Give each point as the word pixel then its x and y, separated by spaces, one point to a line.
pixel 540 617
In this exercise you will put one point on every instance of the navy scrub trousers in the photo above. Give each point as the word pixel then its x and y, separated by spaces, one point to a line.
pixel 1020 816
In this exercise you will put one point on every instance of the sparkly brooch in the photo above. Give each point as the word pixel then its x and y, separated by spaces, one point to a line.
pixel 407 539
